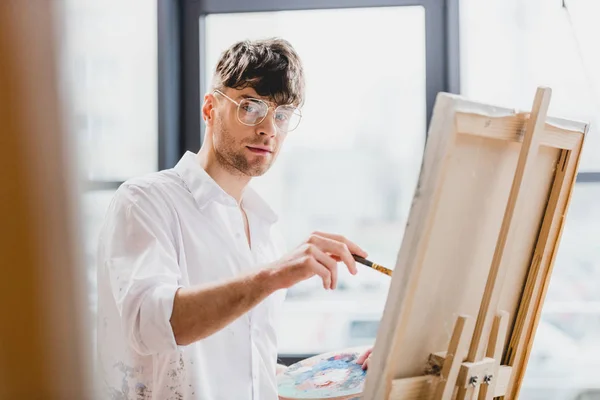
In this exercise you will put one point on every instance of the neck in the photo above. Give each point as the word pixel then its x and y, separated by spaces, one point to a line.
pixel 233 184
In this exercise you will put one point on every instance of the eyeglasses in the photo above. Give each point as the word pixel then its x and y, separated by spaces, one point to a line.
pixel 252 112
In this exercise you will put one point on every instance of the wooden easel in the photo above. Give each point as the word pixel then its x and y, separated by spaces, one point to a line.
pixel 485 356
pixel 483 379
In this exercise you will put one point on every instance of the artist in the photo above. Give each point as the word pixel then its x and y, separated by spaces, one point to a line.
pixel 191 272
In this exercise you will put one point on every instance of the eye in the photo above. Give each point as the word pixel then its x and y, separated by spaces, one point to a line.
pixel 249 107
pixel 282 116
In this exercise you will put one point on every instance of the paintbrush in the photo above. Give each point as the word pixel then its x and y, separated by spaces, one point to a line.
pixel 373 265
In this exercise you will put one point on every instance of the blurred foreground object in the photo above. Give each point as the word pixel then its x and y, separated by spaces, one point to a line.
pixel 41 336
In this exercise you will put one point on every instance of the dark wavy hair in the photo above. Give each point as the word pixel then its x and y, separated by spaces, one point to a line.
pixel 271 67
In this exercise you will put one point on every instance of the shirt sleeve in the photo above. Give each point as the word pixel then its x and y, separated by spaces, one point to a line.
pixel 141 263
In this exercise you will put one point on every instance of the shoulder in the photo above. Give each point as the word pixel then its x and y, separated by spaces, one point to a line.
pixel 151 189
pixel 150 195
pixel 149 186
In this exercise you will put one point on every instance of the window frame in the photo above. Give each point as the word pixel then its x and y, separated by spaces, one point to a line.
pixel 588 177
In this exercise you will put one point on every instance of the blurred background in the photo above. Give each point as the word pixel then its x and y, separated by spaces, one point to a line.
pixel 134 73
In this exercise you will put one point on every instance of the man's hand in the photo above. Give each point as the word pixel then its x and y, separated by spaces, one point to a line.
pixel 318 255
pixel 365 358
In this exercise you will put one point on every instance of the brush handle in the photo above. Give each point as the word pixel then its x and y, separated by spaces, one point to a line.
pixel 373 265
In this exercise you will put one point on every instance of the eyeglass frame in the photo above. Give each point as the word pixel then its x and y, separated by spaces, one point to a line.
pixel 268 108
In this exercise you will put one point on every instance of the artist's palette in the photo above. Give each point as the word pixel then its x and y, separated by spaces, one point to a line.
pixel 334 375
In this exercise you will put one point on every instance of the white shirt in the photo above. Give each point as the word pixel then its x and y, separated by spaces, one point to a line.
pixel 171 229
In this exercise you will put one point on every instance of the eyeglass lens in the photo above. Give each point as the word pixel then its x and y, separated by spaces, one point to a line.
pixel 252 112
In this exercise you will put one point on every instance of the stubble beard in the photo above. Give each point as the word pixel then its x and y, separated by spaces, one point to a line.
pixel 231 157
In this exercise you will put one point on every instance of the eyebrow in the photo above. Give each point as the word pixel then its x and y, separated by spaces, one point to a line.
pixel 248 96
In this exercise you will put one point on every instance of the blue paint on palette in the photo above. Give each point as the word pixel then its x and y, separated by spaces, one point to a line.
pixel 327 376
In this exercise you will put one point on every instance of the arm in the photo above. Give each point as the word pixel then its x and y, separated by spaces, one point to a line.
pixel 199 312
pixel 140 262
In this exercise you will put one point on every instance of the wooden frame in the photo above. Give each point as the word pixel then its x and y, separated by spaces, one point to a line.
pixel 477 253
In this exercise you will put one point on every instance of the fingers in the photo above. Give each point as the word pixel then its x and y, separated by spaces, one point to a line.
pixel 354 249
pixel 329 263
pixel 335 248
pixel 364 356
pixel 324 250
pixel 322 271
pixel 366 364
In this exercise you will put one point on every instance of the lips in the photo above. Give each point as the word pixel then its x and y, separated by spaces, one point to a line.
pixel 259 149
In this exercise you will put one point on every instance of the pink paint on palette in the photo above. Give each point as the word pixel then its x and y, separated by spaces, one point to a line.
pixel 334 375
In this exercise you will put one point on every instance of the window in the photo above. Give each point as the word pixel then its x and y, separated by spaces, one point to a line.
pixel 567 342
pixel 352 165
pixel 511 47
pixel 508 49
pixel 109 74
pixel 93 205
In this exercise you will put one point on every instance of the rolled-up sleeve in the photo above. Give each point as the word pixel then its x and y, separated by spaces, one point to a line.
pixel 140 259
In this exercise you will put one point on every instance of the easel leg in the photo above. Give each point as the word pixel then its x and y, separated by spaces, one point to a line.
pixel 457 351
pixel 466 393
pixel 480 379
pixel 494 350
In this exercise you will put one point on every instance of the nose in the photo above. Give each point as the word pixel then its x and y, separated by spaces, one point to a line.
pixel 267 127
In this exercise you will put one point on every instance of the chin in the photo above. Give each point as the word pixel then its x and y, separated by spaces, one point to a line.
pixel 254 172
pixel 258 167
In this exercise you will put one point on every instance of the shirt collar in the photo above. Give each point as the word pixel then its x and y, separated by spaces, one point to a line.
pixel 204 189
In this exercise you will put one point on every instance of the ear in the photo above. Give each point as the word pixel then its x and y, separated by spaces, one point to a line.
pixel 208 109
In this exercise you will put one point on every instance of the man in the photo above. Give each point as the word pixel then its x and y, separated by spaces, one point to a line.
pixel 190 273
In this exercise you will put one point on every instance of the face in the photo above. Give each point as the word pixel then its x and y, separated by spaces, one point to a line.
pixel 242 149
